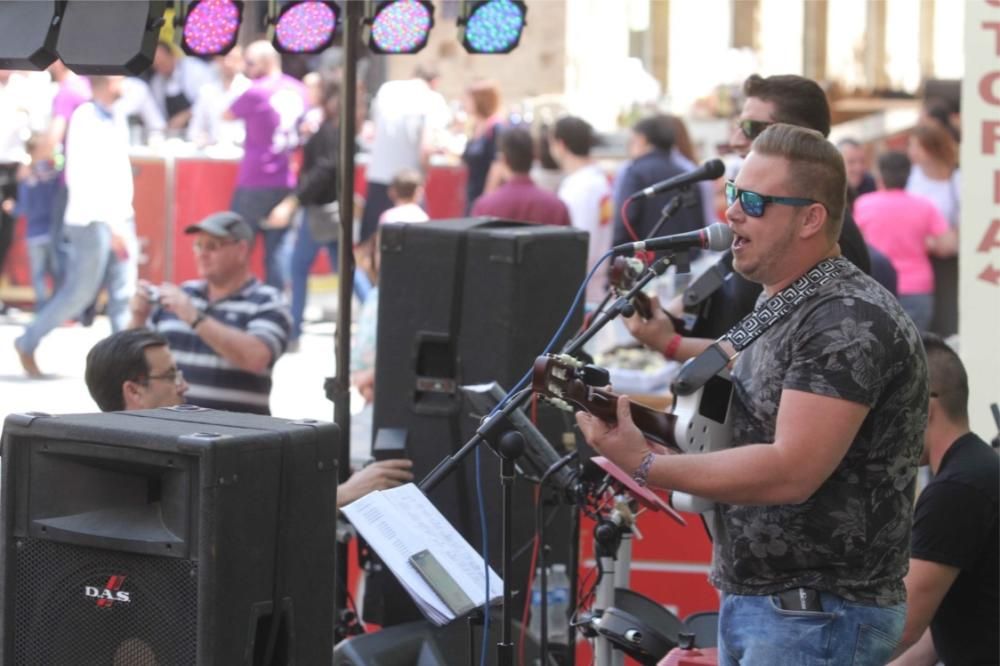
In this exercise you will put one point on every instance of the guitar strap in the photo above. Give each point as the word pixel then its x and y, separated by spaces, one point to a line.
pixel 698 370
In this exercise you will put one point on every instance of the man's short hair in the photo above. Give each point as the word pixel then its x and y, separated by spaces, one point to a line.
pixel 116 359
pixel 657 130
pixel 894 169
pixel 948 381
pixel 405 183
pixel 518 149
pixel 797 100
pixel 816 171
pixel 576 134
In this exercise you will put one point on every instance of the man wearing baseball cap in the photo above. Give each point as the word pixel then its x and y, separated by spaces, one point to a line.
pixel 226 329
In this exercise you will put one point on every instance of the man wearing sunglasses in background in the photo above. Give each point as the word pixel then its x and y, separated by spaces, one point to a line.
pixel 227 329
pixel 790 99
pixel 815 496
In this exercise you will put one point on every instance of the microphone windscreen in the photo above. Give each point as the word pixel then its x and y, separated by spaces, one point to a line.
pixel 720 236
pixel 714 168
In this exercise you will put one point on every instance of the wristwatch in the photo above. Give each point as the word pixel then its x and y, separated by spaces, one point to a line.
pixel 197 320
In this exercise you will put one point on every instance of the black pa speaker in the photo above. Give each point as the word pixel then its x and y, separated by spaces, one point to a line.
pixel 179 536
pixel 110 36
pixel 28 30
pixel 469 301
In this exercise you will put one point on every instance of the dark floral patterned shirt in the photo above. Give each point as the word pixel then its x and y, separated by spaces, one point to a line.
pixel 850 341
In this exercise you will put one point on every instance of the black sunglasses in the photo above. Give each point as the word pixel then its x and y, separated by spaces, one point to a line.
pixel 752 128
pixel 753 203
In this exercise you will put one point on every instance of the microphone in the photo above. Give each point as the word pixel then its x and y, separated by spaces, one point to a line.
pixel 717 237
pixel 710 170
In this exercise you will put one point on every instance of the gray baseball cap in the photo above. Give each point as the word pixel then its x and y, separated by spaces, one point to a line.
pixel 224 224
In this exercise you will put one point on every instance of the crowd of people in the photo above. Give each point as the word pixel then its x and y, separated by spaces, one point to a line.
pixel 837 401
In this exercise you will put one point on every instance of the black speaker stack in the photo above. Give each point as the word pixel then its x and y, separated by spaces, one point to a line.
pixel 461 302
pixel 167 537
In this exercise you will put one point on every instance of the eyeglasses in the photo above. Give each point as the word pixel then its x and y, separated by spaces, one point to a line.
pixel 752 128
pixel 212 246
pixel 753 203
pixel 173 375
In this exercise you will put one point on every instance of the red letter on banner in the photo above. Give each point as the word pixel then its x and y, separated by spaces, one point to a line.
pixel 991 238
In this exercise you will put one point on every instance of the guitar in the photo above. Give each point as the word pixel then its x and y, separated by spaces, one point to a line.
pixel 558 379
pixel 698 423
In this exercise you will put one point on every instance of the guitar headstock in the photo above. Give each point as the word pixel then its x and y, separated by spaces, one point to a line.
pixel 625 271
pixel 557 378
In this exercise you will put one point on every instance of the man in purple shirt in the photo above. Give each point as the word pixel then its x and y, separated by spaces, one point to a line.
pixel 270 110
pixel 519 198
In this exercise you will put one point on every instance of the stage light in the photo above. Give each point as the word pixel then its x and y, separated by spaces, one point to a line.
pixel 400 26
pixel 305 27
pixel 211 27
pixel 493 26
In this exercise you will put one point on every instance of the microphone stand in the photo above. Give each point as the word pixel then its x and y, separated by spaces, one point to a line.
pixel 490 431
pixel 667 212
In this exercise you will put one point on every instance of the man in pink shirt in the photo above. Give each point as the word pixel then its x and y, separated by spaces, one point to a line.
pixel 270 109
pixel 519 198
pixel 906 228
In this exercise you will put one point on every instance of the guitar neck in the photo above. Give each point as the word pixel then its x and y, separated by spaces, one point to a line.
pixel 654 424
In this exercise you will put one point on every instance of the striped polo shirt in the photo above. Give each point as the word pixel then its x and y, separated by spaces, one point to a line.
pixel 214 382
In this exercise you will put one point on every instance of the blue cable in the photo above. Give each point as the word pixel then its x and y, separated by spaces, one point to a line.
pixel 486 561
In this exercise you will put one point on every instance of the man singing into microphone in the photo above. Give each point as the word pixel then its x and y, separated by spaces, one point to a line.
pixel 815 496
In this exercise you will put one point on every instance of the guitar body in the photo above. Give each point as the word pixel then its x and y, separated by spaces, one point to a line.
pixel 703 424
pixel 700 422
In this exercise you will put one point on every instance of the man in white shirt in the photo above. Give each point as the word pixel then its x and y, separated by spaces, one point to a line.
pixel 586 191
pixel 99 227
pixel 208 124
pixel 176 83
pixel 409 117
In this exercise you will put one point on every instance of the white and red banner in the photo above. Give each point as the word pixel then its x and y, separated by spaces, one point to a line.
pixel 979 291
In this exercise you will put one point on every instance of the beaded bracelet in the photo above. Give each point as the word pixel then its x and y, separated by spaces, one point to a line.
pixel 642 471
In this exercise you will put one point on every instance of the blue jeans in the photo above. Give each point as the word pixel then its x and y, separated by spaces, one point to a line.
pixel 255 204
pixel 303 254
pixel 43 258
pixel 90 264
pixel 755 631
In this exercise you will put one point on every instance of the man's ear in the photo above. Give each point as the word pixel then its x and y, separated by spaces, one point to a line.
pixel 132 394
pixel 815 221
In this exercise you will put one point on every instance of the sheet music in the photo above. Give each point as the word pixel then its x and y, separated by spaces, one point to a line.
pixel 400 522
pixel 448 545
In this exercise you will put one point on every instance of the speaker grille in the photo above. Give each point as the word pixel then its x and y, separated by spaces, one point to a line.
pixel 76 606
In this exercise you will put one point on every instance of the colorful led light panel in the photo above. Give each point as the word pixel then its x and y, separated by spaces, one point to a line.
pixel 401 27
pixel 494 27
pixel 211 26
pixel 306 27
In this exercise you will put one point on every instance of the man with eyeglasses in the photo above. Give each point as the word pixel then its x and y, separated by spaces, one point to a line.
pixel 790 99
pixel 226 329
pixel 134 369
pixel 815 495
